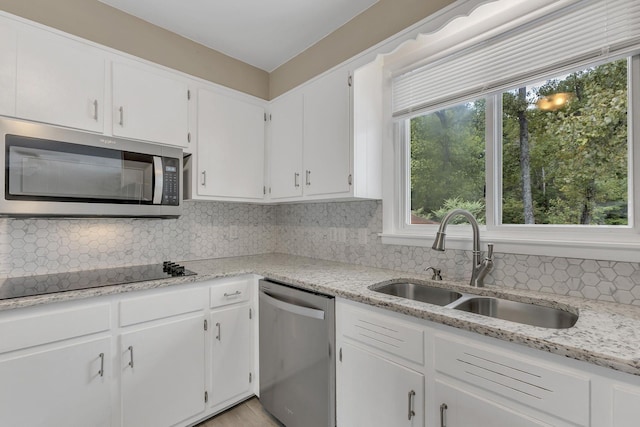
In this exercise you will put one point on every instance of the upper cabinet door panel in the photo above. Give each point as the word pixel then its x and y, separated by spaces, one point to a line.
pixel 149 105
pixel 59 81
pixel 8 41
pixel 230 147
pixel 285 146
pixel 327 134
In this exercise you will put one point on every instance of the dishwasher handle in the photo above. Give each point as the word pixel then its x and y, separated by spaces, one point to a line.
pixel 292 308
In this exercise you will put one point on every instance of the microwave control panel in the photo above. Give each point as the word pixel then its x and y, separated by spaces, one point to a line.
pixel 171 185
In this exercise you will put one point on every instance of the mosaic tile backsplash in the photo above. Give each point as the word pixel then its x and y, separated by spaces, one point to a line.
pixel 205 230
pixel 340 231
pixel 307 230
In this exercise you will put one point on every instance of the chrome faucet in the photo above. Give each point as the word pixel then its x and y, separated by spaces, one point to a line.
pixel 480 268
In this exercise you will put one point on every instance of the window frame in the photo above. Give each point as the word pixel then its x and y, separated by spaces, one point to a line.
pixel 615 243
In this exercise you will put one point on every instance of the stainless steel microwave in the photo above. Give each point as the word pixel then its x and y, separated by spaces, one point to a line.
pixel 51 171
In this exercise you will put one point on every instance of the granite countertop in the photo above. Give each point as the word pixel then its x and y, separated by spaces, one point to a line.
pixel 606 334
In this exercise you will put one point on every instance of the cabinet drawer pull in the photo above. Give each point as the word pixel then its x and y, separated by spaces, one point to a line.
pixel 412 413
pixel 131 356
pixel 219 336
pixel 101 371
pixel 296 179
pixel 95 110
pixel 443 412
pixel 232 294
pixel 308 178
pixel 121 122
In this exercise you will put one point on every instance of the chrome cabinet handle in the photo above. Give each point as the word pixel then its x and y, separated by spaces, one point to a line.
pixel 95 110
pixel 296 179
pixel 204 178
pixel 131 356
pixel 308 178
pixel 219 336
pixel 443 411
pixel 412 413
pixel 233 294
pixel 101 371
pixel 121 122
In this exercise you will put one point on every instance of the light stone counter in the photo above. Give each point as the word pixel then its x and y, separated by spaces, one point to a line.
pixel 606 334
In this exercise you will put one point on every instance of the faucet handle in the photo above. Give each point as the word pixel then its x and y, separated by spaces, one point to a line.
pixel 437 273
pixel 489 250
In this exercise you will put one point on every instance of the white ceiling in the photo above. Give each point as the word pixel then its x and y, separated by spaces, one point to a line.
pixel 265 34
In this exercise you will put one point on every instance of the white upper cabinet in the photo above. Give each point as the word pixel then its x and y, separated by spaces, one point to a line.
pixel 285 146
pixel 8 41
pixel 59 81
pixel 149 104
pixel 230 150
pixel 325 138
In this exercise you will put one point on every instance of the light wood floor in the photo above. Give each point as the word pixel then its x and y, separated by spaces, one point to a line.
pixel 247 414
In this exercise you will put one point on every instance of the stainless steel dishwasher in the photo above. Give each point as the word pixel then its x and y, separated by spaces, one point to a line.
pixel 297 357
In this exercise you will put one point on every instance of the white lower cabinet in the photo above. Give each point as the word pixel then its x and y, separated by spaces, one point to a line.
pixel 379 369
pixel 459 407
pixel 232 353
pixel 163 372
pixel 463 379
pixel 67 385
pixel 373 391
pixel 151 358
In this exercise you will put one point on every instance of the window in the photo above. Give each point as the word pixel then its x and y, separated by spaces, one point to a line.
pixel 564 149
pixel 447 149
pixel 531 129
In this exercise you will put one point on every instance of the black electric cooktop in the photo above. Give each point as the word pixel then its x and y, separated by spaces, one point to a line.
pixel 17 287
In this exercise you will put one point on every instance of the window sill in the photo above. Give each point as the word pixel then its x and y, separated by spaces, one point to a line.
pixel 599 246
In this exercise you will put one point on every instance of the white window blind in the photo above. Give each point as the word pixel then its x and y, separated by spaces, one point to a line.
pixel 579 34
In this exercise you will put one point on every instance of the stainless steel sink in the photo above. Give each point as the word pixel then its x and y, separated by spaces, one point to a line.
pixel 520 312
pixel 422 293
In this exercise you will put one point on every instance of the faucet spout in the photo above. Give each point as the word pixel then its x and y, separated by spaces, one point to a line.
pixel 480 269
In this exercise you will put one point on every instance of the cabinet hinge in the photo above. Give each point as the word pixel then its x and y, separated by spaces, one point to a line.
pixel 206 325
pixel 250 377
pixel 206 397
pixel 250 313
pixel 350 179
pixel 188 94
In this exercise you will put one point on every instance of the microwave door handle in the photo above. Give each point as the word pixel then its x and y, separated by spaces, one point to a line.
pixel 158 175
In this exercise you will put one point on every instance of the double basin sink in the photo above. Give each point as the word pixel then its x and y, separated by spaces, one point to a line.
pixel 519 312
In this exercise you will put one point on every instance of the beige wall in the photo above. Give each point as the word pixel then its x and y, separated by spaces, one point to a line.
pixel 105 25
pixel 379 22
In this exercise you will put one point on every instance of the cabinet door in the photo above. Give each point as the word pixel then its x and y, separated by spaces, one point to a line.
pixel 285 147
pixel 149 105
pixel 65 386
pixel 232 353
pixel 327 134
pixel 8 42
pixel 461 408
pixel 59 81
pixel 230 147
pixel 626 406
pixel 163 373
pixel 372 391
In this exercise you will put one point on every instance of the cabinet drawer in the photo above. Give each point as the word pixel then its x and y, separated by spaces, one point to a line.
pixel 19 332
pixel 384 333
pixel 548 388
pixel 230 293
pixel 167 304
